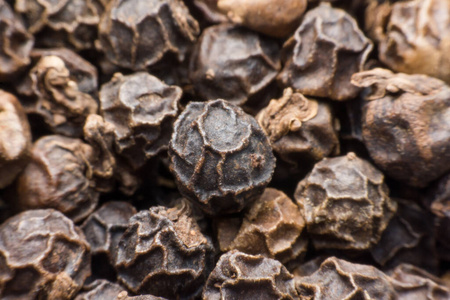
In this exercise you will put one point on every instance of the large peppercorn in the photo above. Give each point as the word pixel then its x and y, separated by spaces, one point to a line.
pixel 15 138
pixel 415 37
pixel 242 276
pixel 43 255
pixel 273 227
pixel 325 51
pixel 345 203
pixel 70 23
pixel 15 43
pixel 137 34
pixel 142 109
pixel 233 63
pixel 299 129
pixel 220 156
pixel 338 279
pixel 405 124
pixel 164 253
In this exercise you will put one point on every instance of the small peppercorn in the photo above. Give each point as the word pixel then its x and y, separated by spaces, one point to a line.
pixel 345 203
pixel 220 156
pixel 242 276
pixel 43 255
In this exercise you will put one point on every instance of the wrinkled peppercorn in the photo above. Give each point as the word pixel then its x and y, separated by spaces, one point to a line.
pixel 43 255
pixel 15 43
pixel 273 227
pixel 345 203
pixel 405 124
pixel 300 129
pixel 137 34
pixel 338 279
pixel 242 276
pixel 124 296
pixel 323 54
pixel 233 63
pixel 220 156
pixel 15 138
pixel 210 11
pixel 142 109
pixel 164 253
pixel 100 290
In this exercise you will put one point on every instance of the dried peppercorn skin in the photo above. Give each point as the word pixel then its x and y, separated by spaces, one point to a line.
pixel 233 63
pixel 243 276
pixel 325 51
pixel 136 34
pixel 220 157
pixel 43 255
pixel 100 289
pixel 15 138
pixel 345 203
pixel 405 124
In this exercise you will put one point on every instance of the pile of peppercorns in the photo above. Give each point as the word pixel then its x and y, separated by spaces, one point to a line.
pixel 225 149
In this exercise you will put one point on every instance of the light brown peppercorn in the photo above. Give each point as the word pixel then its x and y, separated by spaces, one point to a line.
pixel 142 110
pixel 137 34
pixel 273 227
pixel 345 203
pixel 210 11
pixel 338 279
pixel 43 255
pixel 274 18
pixel 233 63
pixel 325 51
pixel 299 129
pixel 124 296
pixel 15 138
pixel 242 276
pixel 405 124
pixel 100 290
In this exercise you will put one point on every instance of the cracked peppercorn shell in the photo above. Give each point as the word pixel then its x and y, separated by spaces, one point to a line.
pixel 70 23
pixel 243 276
pixel 136 34
pixel 273 227
pixel 411 282
pixel 100 289
pixel 338 279
pixel 325 51
pixel 143 109
pixel 220 157
pixel 57 176
pixel 105 226
pixel 16 43
pixel 233 63
pixel 15 138
pixel 405 124
pixel 299 129
pixel 163 253
pixel 345 203
pixel 416 38
pixel 43 255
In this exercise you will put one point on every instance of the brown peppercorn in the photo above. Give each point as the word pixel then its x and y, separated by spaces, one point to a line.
pixel 15 138
pixel 43 255
pixel 137 34
pixel 142 109
pixel 220 156
pixel 242 276
pixel 124 296
pixel 345 203
pixel 417 38
pixel 163 253
pixel 273 227
pixel 71 23
pixel 338 279
pixel 100 290
pixel 411 282
pixel 233 63
pixel 299 129
pixel 325 51
pixel 405 124
pixel 210 11
pixel 274 18
pixel 15 43
pixel 105 226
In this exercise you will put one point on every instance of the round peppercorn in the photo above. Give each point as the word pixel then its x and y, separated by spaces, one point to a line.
pixel 221 158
